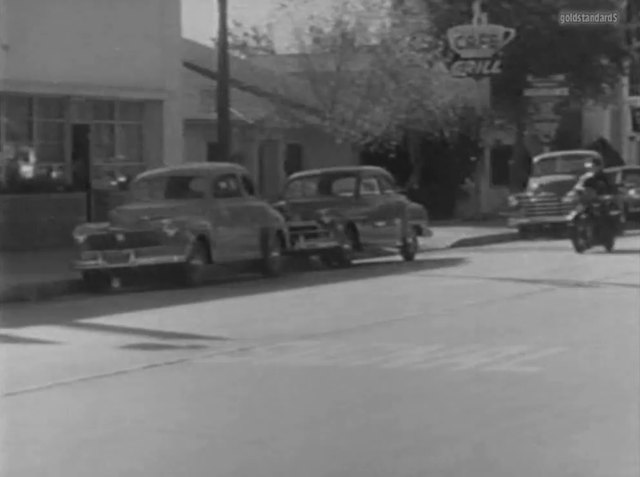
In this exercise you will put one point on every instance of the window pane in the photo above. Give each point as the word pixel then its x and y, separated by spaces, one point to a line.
pixel 81 110
pixel 129 143
pixel 130 111
pixel 48 131
pixel 104 110
pixel 19 131
pixel 50 108
pixel 18 108
pixel 248 186
pixel 103 142
pixel 51 153
pixel 227 187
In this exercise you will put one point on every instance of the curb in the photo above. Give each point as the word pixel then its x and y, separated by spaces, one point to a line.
pixel 40 291
pixel 43 291
pixel 481 240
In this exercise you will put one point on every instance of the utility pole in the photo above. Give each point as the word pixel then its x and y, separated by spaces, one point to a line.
pixel 222 103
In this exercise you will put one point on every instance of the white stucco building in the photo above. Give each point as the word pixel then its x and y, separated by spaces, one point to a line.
pixel 88 88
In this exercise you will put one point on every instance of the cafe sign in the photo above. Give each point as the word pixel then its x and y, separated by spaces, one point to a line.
pixel 477 46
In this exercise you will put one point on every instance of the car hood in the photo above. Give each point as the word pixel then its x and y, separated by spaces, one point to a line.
pixel 138 213
pixel 306 209
pixel 557 184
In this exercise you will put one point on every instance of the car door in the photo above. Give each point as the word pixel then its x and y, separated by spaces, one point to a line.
pixel 232 229
pixel 383 210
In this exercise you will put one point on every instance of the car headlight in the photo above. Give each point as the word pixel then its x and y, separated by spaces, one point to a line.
pixel 570 197
pixel 513 201
pixel 79 238
pixel 169 228
pixel 634 192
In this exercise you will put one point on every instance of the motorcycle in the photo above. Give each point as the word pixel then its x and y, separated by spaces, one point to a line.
pixel 595 224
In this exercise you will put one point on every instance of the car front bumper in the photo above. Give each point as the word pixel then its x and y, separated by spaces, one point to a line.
pixel 129 259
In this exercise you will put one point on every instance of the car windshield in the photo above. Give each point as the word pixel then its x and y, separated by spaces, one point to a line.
pixel 182 187
pixel 631 177
pixel 323 185
pixel 562 164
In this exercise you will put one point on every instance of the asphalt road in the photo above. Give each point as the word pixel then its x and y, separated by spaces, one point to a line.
pixel 511 360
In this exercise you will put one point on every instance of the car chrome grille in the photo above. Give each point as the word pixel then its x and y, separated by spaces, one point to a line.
pixel 123 240
pixel 543 206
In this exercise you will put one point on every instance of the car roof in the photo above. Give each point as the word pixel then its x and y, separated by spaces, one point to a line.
pixel 195 168
pixel 548 155
pixel 339 170
pixel 622 168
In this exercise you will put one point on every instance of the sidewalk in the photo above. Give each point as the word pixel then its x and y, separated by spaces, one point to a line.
pixel 41 275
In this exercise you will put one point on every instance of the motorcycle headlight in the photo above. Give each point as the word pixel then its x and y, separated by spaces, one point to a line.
pixel 169 228
pixel 79 238
pixel 324 218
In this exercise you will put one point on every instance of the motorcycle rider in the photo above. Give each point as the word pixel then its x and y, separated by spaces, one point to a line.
pixel 593 185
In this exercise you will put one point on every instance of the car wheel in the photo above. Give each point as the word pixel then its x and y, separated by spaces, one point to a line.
pixel 194 269
pixel 96 281
pixel 273 257
pixel 409 247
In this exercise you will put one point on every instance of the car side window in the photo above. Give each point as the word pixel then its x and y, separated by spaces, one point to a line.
pixel 386 185
pixel 247 185
pixel 369 186
pixel 227 187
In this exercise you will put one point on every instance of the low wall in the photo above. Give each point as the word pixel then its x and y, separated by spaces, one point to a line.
pixel 46 221
pixel 39 221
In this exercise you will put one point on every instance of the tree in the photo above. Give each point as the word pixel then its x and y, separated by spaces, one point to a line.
pixel 373 75
pixel 591 56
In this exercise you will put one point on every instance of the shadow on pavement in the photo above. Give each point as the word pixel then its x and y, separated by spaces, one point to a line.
pixel 131 301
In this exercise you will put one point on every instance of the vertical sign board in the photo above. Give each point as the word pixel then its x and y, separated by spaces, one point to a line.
pixel 476 46
pixel 635 119
pixel 546 101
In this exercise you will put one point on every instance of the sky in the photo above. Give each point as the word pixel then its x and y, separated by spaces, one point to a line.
pixel 199 17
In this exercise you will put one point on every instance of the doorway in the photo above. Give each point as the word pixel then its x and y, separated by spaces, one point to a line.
pixel 81 162
pixel 268 168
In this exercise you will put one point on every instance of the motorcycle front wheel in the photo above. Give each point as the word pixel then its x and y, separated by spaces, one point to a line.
pixel 578 235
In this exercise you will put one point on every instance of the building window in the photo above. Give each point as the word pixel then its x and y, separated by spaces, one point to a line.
pixel 45 140
pixel 294 159
pixel 117 140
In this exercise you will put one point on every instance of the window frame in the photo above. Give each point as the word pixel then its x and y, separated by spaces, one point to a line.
pixel 393 187
pixel 227 176
pixel 244 178
pixel 373 177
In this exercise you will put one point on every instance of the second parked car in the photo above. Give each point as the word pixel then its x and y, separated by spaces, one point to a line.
pixel 337 212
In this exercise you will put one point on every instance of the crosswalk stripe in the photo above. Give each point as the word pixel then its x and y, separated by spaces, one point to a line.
pixel 392 356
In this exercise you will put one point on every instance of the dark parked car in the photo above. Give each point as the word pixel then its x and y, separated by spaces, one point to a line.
pixel 548 199
pixel 335 212
pixel 627 180
pixel 187 217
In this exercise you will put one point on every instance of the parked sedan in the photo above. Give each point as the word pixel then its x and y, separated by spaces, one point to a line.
pixel 336 212
pixel 186 217
pixel 627 180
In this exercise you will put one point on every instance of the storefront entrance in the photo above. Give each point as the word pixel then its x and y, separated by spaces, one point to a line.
pixel 80 161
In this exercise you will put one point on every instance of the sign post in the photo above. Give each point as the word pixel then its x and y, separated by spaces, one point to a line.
pixel 477 51
pixel 546 101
